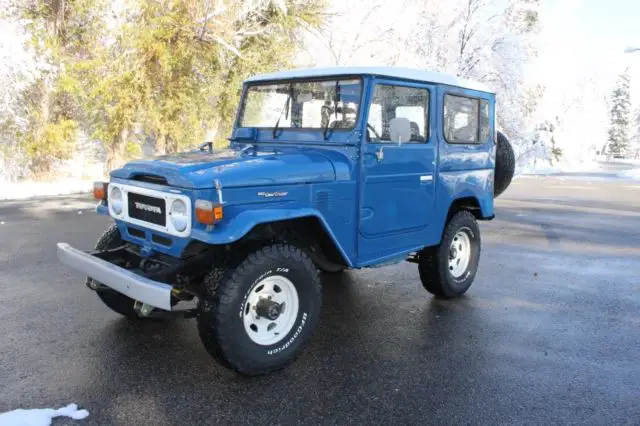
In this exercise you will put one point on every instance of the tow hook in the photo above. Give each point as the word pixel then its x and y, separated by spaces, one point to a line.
pixel 96 286
pixel 142 309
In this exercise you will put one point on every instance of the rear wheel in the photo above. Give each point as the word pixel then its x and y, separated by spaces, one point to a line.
pixel 117 302
pixel 449 269
pixel 261 315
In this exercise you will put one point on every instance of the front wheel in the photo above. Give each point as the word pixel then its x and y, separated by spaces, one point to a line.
pixel 262 314
pixel 449 269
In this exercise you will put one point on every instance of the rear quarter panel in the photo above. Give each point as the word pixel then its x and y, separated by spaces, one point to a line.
pixel 464 170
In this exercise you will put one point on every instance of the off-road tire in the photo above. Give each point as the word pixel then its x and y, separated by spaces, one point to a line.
pixel 505 165
pixel 220 310
pixel 433 265
pixel 117 302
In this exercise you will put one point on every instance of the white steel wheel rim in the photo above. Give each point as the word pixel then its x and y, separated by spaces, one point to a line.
pixel 459 254
pixel 265 331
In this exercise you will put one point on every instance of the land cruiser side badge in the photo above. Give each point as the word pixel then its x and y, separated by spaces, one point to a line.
pixel 272 194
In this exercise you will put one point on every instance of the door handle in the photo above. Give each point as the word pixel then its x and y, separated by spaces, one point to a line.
pixel 380 154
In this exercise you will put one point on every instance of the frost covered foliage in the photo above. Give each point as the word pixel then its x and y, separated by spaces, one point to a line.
pixel 486 40
pixel 634 148
pixel 20 67
pixel 620 117
pixel 125 73
pixel 552 107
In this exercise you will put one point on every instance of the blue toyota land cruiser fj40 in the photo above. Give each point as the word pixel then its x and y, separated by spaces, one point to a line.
pixel 327 169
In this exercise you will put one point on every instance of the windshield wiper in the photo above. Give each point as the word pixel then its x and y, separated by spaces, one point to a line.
pixel 286 108
pixel 336 99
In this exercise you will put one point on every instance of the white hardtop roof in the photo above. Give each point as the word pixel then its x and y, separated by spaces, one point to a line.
pixel 393 72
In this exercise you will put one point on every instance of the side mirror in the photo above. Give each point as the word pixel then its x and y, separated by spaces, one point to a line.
pixel 400 130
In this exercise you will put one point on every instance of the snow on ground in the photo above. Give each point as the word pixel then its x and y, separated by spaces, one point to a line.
pixel 544 168
pixel 631 174
pixel 40 416
pixel 28 189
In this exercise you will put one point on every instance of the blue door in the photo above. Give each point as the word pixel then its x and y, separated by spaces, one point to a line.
pixel 398 191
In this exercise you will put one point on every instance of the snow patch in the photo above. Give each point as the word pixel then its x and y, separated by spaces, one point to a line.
pixel 40 416
pixel 29 189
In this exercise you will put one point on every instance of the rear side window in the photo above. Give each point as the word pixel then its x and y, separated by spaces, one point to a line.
pixel 461 119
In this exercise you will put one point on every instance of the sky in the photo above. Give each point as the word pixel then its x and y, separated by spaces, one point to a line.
pixel 591 35
pixel 611 22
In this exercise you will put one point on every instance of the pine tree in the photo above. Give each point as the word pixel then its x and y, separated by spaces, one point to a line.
pixel 620 116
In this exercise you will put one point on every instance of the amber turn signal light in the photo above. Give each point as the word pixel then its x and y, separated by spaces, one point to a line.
pixel 208 213
pixel 100 190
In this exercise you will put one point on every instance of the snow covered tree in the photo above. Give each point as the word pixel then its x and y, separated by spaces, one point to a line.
pixel 620 116
pixel 634 149
pixel 62 32
pixel 485 40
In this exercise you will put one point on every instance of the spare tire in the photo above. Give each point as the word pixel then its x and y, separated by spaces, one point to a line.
pixel 505 165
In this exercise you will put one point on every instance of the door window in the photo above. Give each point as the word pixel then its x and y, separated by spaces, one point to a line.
pixel 391 102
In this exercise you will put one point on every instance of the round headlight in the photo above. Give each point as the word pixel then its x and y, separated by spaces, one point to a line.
pixel 178 214
pixel 115 200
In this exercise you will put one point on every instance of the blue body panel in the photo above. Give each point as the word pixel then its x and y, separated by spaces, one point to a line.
pixel 374 211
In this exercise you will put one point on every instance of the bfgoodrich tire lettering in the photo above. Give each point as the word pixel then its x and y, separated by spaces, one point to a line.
pixel 220 317
pixel 434 265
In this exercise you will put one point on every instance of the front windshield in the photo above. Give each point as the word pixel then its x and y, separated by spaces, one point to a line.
pixel 302 104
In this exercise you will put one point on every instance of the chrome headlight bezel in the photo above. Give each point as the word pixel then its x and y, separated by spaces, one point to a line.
pixel 178 215
pixel 115 200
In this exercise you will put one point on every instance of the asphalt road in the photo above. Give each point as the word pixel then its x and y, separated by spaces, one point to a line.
pixel 548 333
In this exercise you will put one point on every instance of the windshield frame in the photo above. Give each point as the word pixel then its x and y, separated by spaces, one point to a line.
pixel 334 78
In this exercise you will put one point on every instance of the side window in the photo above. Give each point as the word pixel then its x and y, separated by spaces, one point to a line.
pixel 461 119
pixel 484 121
pixel 390 102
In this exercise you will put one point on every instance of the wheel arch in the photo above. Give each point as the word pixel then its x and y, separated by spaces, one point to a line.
pixel 468 203
pixel 302 227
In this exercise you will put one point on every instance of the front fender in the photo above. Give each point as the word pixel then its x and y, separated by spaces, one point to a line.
pixel 240 225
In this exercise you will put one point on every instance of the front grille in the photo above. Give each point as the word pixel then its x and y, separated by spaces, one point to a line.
pixel 161 240
pixel 135 232
pixel 147 209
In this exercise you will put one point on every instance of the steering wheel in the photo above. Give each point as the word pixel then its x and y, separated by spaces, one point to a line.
pixel 370 127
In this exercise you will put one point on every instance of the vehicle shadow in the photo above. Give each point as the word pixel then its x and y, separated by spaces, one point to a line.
pixel 162 367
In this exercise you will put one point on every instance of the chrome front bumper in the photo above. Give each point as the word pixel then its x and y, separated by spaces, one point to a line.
pixel 139 288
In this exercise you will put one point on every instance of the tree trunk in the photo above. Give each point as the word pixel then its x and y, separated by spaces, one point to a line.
pixel 161 144
pixel 172 145
pixel 115 151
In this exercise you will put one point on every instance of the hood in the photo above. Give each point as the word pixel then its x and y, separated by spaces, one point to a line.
pixel 233 168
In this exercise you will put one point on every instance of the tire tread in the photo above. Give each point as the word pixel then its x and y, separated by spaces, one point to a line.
pixel 433 277
pixel 213 317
